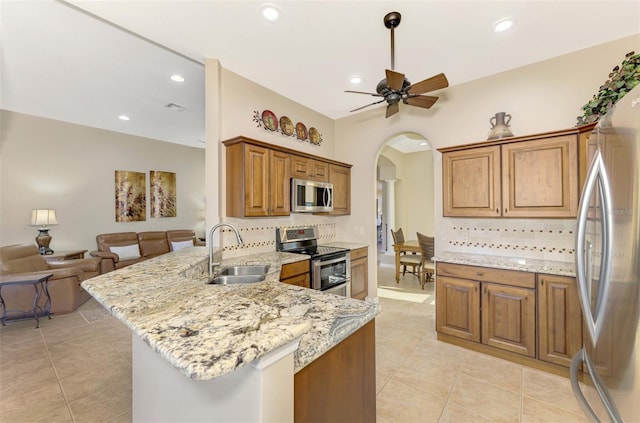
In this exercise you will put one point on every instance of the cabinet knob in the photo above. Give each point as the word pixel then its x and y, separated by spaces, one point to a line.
pixel 497 210
pixel 505 210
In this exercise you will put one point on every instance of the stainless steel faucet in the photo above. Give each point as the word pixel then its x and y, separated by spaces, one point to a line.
pixel 212 264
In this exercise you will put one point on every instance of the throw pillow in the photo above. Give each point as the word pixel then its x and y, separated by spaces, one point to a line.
pixel 127 252
pixel 175 246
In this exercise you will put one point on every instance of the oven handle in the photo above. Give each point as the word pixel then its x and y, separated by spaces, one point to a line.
pixel 318 263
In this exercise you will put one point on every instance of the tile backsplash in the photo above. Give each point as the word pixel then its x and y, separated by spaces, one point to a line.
pixel 259 234
pixel 545 239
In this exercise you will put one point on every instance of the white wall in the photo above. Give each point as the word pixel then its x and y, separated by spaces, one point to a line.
pixel 70 168
pixel 545 96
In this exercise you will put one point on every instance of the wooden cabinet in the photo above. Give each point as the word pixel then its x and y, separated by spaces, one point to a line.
pixel 540 178
pixel 359 273
pixel 559 319
pixel 310 169
pixel 259 178
pixel 458 307
pixel 340 177
pixel 471 182
pixel 531 176
pixel 257 181
pixel 490 306
pixel 509 318
pixel 296 273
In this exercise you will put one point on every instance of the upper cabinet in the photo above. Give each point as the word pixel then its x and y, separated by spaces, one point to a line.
pixel 259 178
pixel 535 176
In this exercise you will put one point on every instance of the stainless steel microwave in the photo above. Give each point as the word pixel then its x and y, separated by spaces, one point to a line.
pixel 311 196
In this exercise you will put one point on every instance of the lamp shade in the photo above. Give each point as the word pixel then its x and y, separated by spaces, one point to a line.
pixel 43 217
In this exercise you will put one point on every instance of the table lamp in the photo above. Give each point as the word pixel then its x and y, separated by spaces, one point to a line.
pixel 42 218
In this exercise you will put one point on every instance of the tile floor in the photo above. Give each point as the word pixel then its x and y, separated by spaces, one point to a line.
pixel 77 368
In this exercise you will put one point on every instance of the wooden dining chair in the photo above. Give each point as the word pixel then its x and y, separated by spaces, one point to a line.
pixel 412 260
pixel 427 250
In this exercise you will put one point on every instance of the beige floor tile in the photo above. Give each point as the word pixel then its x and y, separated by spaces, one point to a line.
pixel 380 419
pixel 64 322
pixel 436 377
pixel 486 399
pixel 81 354
pixel 101 406
pixel 534 411
pixel 456 414
pixel 122 418
pixel 398 402
pixel 107 378
pixel 45 403
pixel 18 331
pixel 499 372
pixel 552 389
pixel 62 335
pixel 22 374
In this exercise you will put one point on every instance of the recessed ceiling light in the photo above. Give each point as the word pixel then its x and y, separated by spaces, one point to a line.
pixel 423 143
pixel 355 79
pixel 503 25
pixel 123 117
pixel 177 78
pixel 270 12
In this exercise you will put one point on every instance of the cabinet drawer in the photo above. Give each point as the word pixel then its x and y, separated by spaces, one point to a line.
pixel 359 253
pixel 486 274
pixel 303 280
pixel 294 269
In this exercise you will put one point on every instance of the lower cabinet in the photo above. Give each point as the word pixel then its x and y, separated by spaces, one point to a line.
pixel 359 273
pixel 524 313
pixel 296 273
pixel 559 319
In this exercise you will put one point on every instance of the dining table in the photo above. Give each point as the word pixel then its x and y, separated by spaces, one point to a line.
pixel 409 247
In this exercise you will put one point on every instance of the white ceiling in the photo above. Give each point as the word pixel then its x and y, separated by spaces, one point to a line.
pixel 62 63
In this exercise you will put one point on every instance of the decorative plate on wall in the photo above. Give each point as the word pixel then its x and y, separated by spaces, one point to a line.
pixel 286 126
pixel 314 136
pixel 270 120
pixel 301 131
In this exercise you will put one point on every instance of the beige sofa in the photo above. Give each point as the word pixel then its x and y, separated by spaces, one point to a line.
pixel 122 249
pixel 64 286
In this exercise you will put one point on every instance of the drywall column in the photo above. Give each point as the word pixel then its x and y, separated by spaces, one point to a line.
pixel 390 212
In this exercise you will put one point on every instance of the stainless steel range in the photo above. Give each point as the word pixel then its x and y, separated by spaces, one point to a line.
pixel 330 266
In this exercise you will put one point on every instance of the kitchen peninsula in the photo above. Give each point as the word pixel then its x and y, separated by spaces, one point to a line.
pixel 231 353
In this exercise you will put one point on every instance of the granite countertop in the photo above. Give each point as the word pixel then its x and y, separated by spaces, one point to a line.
pixel 509 263
pixel 349 245
pixel 206 331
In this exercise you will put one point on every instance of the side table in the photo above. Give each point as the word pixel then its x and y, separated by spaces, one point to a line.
pixel 28 279
pixel 65 255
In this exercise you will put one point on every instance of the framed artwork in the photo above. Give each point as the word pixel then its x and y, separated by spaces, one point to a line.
pixel 163 193
pixel 131 196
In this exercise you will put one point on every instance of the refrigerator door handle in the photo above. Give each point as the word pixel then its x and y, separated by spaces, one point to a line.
pixel 594 320
pixel 578 359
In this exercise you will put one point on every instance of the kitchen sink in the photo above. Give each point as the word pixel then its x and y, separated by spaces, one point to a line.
pixel 261 269
pixel 236 279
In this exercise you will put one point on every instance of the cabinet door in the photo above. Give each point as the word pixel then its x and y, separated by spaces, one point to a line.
pixel 359 274
pixel 458 307
pixel 559 319
pixel 279 183
pixel 319 171
pixel 256 181
pixel 300 167
pixel 303 280
pixel 340 177
pixel 509 318
pixel 471 182
pixel 540 178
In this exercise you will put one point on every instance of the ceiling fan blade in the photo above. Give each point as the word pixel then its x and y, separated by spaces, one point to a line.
pixel 429 84
pixel 362 92
pixel 392 109
pixel 395 80
pixel 424 101
pixel 360 108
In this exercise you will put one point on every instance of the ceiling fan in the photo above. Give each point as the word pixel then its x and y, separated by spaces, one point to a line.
pixel 395 87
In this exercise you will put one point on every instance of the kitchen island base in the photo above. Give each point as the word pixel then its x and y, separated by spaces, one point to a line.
pixel 261 391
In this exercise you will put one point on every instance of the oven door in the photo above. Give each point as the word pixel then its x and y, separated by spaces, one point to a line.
pixel 343 290
pixel 331 270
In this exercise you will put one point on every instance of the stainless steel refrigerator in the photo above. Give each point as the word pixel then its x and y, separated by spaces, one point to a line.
pixel 608 268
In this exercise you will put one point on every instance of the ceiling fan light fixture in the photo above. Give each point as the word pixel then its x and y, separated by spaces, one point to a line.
pixel 355 80
pixel 177 78
pixel 270 12
pixel 503 25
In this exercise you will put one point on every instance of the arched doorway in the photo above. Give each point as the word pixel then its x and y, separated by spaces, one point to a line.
pixel 405 190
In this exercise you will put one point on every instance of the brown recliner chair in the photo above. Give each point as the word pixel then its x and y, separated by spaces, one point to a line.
pixel 64 286
pixel 112 246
